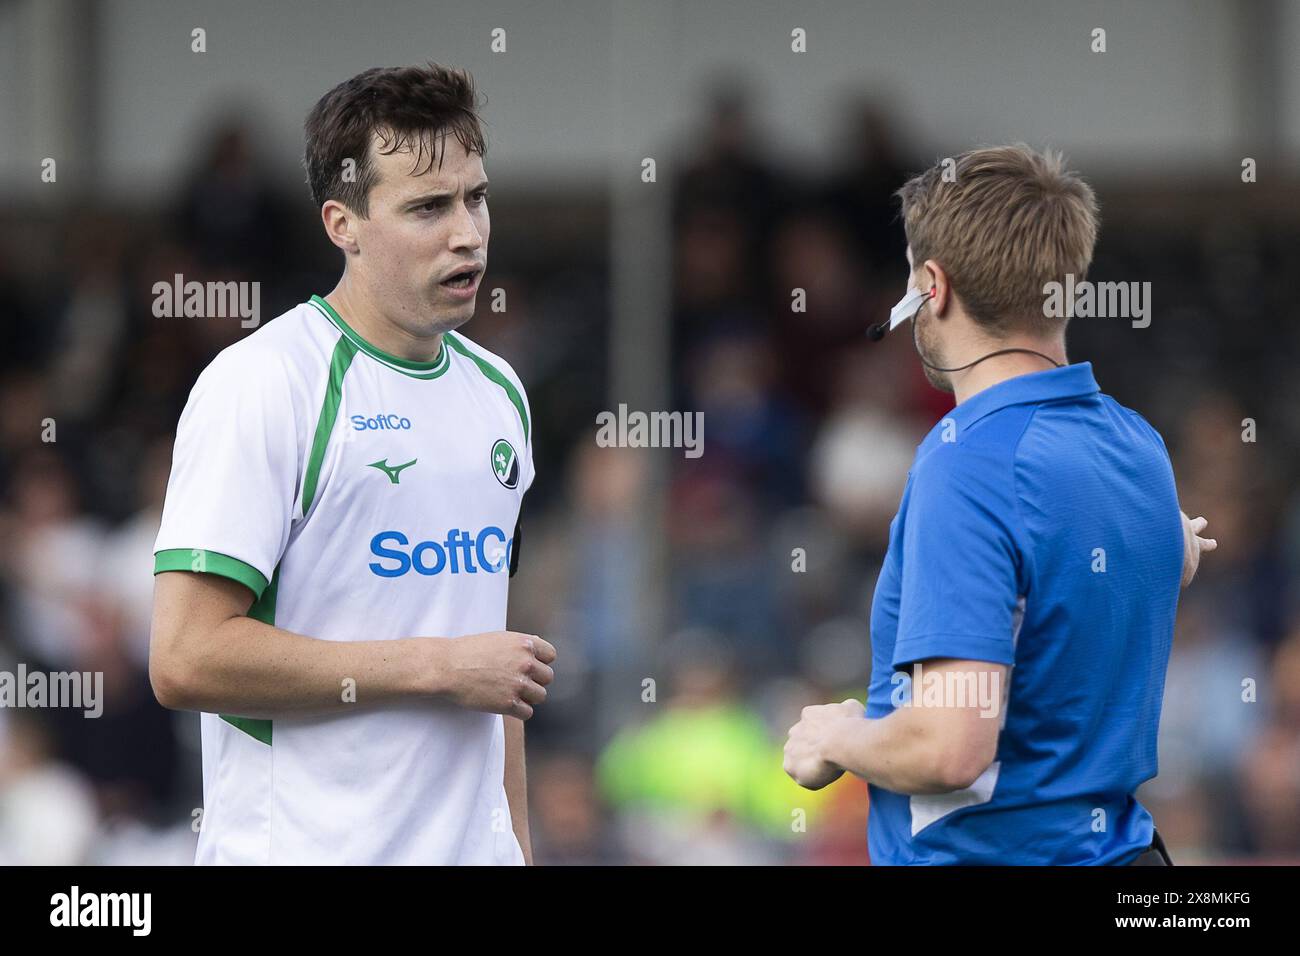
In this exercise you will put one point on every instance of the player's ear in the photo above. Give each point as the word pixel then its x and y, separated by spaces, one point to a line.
pixel 339 221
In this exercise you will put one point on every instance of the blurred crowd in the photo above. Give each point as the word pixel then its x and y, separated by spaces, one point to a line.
pixel 664 747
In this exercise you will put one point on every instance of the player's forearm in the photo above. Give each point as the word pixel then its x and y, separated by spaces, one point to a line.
pixel 516 784
pixel 899 752
pixel 250 669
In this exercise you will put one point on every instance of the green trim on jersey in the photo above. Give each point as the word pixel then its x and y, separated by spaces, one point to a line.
pixel 200 560
pixel 493 375
pixel 414 369
pixel 255 727
pixel 344 351
pixel 263 610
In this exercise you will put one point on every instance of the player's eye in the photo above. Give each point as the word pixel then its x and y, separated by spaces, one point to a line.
pixel 478 196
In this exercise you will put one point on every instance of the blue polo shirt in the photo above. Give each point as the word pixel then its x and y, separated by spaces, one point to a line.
pixel 1039 529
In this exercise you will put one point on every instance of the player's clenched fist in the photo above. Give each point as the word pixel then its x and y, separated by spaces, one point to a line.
pixel 501 672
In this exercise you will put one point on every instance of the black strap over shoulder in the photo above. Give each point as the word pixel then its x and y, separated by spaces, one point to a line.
pixel 1154 855
pixel 514 548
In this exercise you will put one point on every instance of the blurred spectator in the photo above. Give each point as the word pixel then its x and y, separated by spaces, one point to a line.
pixel 228 213
pixel 47 813
pixel 701 781
pixel 1272 764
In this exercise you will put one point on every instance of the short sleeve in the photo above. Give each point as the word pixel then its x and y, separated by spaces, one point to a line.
pixel 961 566
pixel 234 478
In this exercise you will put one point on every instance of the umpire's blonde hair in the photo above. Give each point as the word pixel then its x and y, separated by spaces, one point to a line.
pixel 1005 221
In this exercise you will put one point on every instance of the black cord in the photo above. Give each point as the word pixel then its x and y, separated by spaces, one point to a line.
pixel 961 368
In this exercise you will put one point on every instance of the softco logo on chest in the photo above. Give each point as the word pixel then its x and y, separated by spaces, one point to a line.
pixel 381 422
pixel 455 554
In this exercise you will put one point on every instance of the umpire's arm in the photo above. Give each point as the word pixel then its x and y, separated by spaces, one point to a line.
pixel 915 749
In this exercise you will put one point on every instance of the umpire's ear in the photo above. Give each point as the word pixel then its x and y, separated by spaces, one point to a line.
pixel 514 548
pixel 937 283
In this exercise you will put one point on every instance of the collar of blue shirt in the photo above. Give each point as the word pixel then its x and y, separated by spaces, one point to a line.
pixel 1068 381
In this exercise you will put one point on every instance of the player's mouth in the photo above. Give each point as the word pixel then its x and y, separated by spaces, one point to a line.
pixel 464 283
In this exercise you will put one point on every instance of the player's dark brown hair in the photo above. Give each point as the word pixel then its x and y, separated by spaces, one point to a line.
pixel 1004 223
pixel 408 107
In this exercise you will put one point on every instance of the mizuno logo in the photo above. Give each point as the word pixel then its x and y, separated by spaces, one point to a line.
pixel 392 471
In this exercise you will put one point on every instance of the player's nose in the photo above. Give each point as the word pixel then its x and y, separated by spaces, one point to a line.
pixel 465 233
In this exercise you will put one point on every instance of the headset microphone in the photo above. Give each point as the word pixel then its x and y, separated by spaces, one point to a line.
pixel 909 307
pixel 906 308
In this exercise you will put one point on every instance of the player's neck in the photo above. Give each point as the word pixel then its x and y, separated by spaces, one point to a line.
pixel 1002 367
pixel 351 300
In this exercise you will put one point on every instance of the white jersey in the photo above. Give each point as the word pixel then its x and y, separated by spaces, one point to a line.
pixel 360 497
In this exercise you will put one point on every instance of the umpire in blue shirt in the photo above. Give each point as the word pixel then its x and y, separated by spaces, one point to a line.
pixel 1023 616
